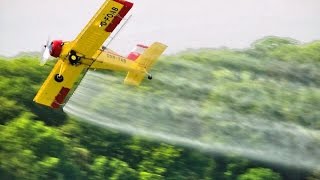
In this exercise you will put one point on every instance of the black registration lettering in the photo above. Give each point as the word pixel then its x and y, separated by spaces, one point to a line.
pixel 123 60
pixel 107 18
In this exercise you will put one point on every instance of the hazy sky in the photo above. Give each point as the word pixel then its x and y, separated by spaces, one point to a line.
pixel 181 24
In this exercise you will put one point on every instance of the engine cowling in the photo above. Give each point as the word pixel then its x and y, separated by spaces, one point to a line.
pixel 136 52
pixel 55 48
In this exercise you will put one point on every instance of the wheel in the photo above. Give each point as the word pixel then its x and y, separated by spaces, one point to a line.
pixel 73 58
pixel 149 76
pixel 58 78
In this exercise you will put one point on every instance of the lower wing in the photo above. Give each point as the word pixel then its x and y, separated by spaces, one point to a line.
pixel 58 84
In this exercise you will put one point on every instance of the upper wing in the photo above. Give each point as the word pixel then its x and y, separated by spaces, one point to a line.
pixel 101 26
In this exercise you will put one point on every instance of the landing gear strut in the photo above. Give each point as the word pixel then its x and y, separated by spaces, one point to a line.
pixel 149 75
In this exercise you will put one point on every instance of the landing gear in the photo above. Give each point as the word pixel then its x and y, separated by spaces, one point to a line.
pixel 73 58
pixel 58 78
pixel 149 75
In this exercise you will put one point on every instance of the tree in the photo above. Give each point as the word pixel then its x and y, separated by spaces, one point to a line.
pixel 159 159
pixel 32 150
pixel 113 169
pixel 150 176
pixel 9 109
pixel 20 79
pixel 315 175
pixel 259 174
pixel 263 47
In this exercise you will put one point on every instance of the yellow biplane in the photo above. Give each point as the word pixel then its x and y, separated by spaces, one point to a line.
pixel 85 52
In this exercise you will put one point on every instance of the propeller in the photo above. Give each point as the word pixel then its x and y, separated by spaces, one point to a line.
pixel 45 53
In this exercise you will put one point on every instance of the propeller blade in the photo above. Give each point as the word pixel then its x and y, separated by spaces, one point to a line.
pixel 45 53
pixel 45 56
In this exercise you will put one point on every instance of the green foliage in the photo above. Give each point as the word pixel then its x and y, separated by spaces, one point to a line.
pixel 158 159
pixel 104 168
pixel 47 168
pixel 31 150
pixel 235 166
pixel 276 79
pixel 279 101
pixel 20 79
pixel 99 168
pixel 305 53
pixel 285 49
pixel 264 46
pixel 150 176
pixel 22 142
pixel 260 174
pixel 193 165
pixel 314 176
pixel 9 109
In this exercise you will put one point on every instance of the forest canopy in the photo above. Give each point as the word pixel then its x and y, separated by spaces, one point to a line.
pixel 39 143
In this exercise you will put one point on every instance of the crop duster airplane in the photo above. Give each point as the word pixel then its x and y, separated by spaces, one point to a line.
pixel 85 52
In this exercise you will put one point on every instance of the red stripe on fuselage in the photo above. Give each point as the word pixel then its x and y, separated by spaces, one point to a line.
pixel 116 20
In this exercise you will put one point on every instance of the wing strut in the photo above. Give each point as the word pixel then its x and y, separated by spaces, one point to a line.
pixel 112 37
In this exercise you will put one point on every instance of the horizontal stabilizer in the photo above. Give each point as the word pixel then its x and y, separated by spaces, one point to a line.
pixel 145 62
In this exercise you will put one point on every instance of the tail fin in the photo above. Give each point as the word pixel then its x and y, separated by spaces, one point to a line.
pixel 145 61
